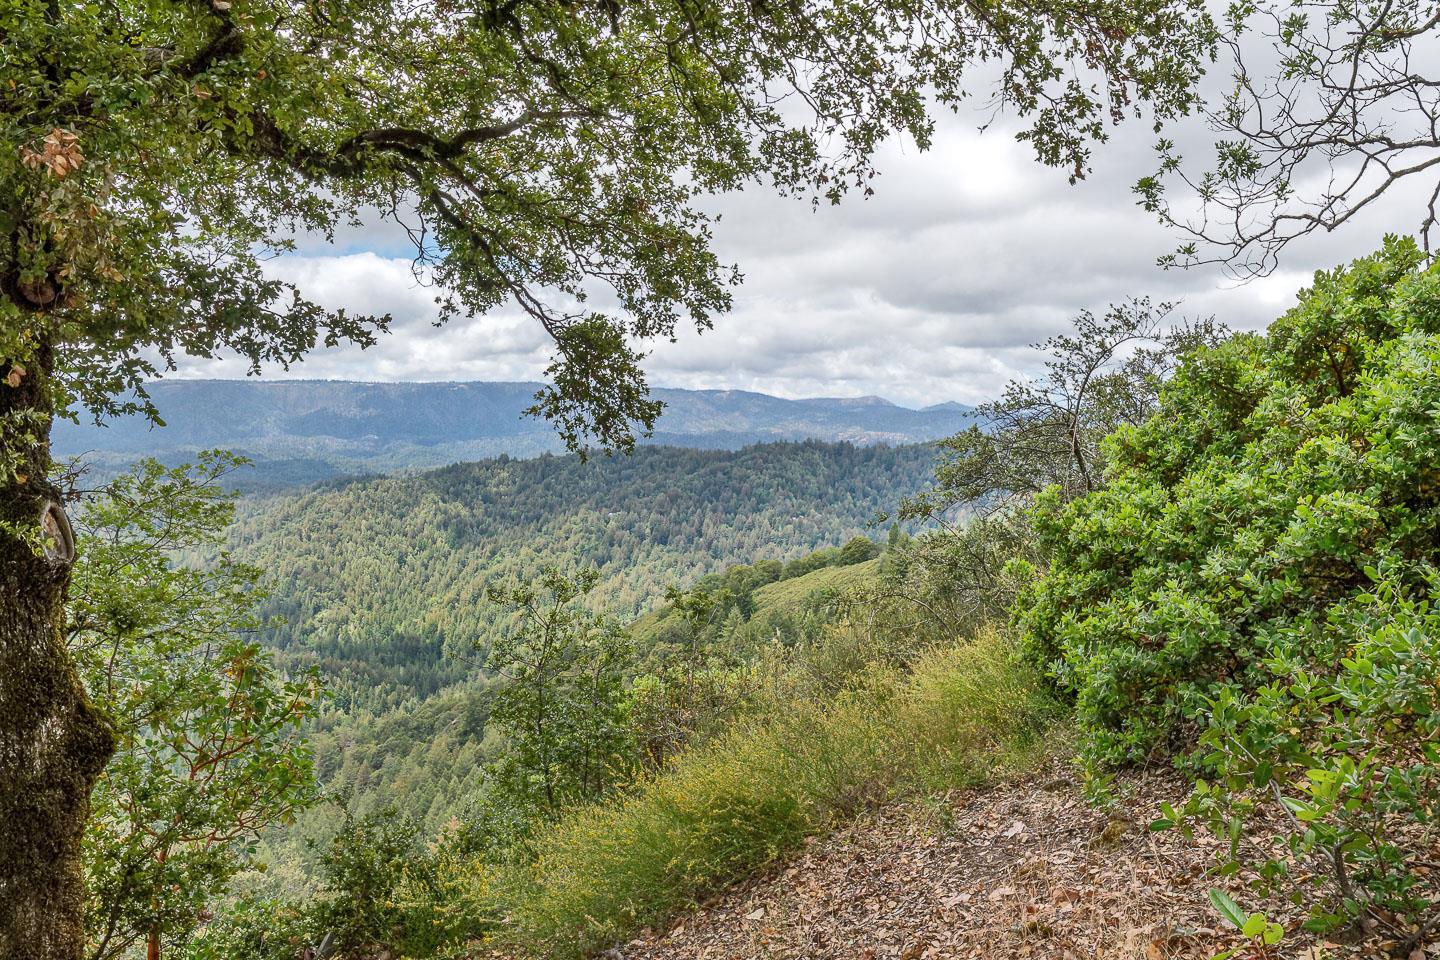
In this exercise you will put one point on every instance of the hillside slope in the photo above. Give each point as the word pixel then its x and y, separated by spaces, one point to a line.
pixel 381 584
pixel 377 579
pixel 1025 869
pixel 784 599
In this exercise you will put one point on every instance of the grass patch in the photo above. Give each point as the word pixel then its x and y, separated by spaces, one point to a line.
pixel 964 715
pixel 791 595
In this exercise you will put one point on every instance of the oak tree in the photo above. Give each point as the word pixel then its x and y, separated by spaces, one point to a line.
pixel 545 153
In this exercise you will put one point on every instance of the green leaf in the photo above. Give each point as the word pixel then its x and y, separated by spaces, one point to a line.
pixel 1228 908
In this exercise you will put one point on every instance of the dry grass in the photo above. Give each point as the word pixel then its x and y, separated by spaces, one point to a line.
pixel 741 803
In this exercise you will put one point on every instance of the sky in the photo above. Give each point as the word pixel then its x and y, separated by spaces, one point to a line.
pixel 932 290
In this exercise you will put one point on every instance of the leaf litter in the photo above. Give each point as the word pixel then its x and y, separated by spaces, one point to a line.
pixel 1027 869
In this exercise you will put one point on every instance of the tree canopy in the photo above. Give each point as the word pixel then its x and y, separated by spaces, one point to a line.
pixel 542 152
pixel 1333 105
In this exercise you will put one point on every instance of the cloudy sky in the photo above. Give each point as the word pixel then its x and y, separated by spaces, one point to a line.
pixel 929 291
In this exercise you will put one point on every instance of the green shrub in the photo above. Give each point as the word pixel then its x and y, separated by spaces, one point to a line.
pixel 384 892
pixel 679 707
pixel 560 704
pixel 1276 470
pixel 750 796
pixel 1251 585
pixel 1342 740
pixel 857 550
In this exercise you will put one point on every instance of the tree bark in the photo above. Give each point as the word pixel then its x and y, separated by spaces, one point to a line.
pixel 53 743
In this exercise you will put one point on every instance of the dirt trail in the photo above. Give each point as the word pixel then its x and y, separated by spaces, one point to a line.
pixel 1025 870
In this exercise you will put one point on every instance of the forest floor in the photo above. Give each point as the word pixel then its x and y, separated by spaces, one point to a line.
pixel 1027 869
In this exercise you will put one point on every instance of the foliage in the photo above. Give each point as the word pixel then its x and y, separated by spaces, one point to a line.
pixel 1264 935
pixel 684 704
pixel 728 614
pixel 155 155
pixel 845 685
pixel 560 705
pixel 1042 437
pixel 857 550
pixel 951 582
pixel 383 892
pixel 383 888
pixel 720 649
pixel 254 930
pixel 1332 107
pixel 744 799
pixel 1341 740
pixel 210 750
pixel 376 598
pixel 1255 576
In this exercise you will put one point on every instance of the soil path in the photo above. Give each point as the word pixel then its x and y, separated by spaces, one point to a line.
pixel 1025 870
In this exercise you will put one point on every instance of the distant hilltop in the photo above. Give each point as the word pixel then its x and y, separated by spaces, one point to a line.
pixel 299 431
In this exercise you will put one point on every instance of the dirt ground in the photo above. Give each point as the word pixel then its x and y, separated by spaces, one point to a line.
pixel 1025 870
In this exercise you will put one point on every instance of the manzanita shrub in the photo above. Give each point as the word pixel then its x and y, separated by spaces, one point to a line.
pixel 1277 468
pixel 1250 587
pixel 1343 744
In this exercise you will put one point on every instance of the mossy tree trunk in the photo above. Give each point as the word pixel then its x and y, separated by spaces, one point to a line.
pixel 53 743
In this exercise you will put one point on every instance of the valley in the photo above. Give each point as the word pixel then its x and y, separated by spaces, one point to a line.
pixel 380 585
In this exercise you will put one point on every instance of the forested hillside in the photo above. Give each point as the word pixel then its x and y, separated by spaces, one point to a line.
pixel 382 585
pixel 428 761
pixel 376 579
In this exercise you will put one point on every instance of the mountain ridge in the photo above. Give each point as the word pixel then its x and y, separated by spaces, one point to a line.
pixel 301 431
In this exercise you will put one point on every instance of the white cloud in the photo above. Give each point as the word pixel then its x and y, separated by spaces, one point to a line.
pixel 928 291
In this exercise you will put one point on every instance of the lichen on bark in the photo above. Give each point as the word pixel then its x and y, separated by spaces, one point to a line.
pixel 53 742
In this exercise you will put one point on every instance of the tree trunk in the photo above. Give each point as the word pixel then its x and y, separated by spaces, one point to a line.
pixel 53 743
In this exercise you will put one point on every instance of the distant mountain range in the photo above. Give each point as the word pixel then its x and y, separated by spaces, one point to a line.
pixel 299 431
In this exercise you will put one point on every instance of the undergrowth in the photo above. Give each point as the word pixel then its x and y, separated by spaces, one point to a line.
pixel 964 715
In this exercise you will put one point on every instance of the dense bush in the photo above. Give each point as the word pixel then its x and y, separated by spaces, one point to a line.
pixel 383 893
pixel 1255 580
pixel 1343 739
pixel 1276 469
pixel 684 704
pixel 954 581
